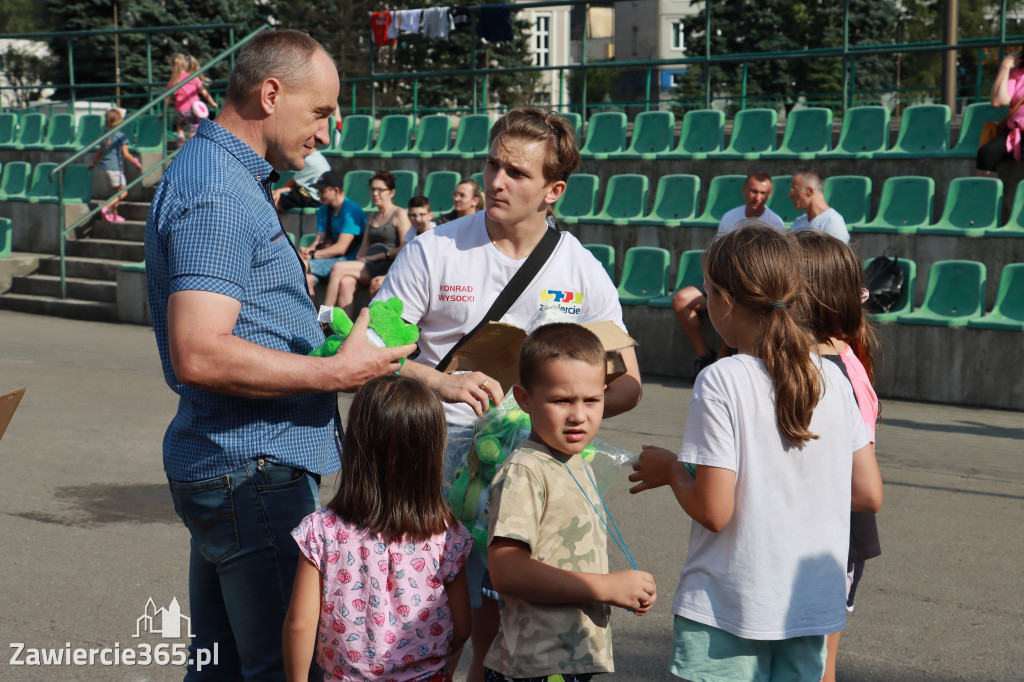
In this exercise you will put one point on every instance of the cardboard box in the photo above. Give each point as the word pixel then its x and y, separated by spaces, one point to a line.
pixel 494 350
pixel 8 404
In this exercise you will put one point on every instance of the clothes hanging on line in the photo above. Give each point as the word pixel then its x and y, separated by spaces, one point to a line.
pixel 380 25
pixel 409 20
pixel 494 23
pixel 437 22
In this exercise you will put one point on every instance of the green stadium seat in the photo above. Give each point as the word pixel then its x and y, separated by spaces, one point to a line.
pixel 356 136
pixel 291 237
pixel 60 134
pixel 15 181
pixel 973 205
pixel 478 178
pixel 675 201
pixel 905 303
pixel 472 138
pixel 689 274
pixel 134 267
pixel 90 127
pixel 151 134
pixel 625 198
pixel 6 237
pixel 974 119
pixel 579 201
pixel 393 137
pixel 753 133
pixel 780 202
pixel 644 275
pixel 905 206
pixel 703 133
pixel 8 129
pixel 32 134
pixel 433 135
pixel 357 188
pixel 282 179
pixel 407 184
pixel 606 135
pixel 808 133
pixel 77 184
pixel 43 188
pixel 955 295
pixel 306 240
pixel 1014 227
pixel 924 133
pixel 438 188
pixel 653 134
pixel 851 196
pixel 865 132
pixel 605 255
pixel 724 193
pixel 1008 311
pixel 577 124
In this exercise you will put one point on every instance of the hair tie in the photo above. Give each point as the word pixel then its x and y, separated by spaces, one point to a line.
pixel 778 304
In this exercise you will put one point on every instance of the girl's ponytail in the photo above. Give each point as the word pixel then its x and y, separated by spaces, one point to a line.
pixel 759 267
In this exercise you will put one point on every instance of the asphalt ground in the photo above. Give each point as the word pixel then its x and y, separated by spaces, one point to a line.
pixel 88 533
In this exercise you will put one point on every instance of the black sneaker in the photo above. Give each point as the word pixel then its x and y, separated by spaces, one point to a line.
pixel 703 361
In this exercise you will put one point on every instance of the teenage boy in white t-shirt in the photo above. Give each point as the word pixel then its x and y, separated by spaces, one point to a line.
pixel 449 277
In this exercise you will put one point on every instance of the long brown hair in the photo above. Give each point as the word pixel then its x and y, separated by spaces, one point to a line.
pixel 391 465
pixel 834 282
pixel 759 267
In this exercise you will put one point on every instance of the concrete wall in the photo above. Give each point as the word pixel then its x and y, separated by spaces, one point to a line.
pixel 963 366
pixel 36 227
pixel 132 301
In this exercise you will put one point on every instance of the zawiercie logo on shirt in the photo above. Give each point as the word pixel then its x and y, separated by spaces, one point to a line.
pixel 566 301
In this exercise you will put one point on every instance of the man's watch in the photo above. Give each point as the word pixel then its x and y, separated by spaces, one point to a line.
pixel 312 254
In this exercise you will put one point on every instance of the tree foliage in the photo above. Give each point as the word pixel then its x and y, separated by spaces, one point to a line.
pixel 24 69
pixel 93 55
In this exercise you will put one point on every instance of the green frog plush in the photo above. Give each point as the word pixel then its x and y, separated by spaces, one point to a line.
pixel 387 329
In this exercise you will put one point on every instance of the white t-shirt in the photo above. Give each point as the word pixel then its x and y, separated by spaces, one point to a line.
pixel 829 221
pixel 316 165
pixel 778 568
pixel 730 221
pixel 448 278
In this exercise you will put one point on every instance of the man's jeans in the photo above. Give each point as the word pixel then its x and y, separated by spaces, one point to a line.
pixel 242 564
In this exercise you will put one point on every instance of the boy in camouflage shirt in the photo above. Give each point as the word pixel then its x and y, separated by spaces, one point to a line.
pixel 547 545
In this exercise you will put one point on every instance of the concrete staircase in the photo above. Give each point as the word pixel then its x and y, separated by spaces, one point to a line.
pixel 93 262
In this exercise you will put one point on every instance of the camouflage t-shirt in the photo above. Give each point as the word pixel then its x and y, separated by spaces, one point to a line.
pixel 534 499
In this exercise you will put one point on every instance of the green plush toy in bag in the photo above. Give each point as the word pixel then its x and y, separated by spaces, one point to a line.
pixel 496 434
pixel 387 329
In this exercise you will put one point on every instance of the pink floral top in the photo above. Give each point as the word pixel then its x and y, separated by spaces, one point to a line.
pixel 384 611
pixel 188 94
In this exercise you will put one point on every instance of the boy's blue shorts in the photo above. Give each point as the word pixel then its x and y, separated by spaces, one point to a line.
pixel 703 653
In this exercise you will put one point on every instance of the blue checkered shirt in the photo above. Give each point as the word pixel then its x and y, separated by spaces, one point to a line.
pixel 212 227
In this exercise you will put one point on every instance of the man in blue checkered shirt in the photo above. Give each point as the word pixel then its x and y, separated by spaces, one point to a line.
pixel 257 422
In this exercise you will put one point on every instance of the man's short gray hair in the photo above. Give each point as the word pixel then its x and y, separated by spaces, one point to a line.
pixel 812 178
pixel 284 54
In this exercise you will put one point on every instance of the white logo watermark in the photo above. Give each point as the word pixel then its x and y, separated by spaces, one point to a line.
pixel 169 623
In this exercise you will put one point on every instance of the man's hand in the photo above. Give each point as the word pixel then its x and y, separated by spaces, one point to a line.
pixel 358 360
pixel 654 468
pixel 476 389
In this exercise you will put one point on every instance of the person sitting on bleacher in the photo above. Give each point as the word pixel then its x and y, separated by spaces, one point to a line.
pixel 468 198
pixel 299 191
pixel 1007 91
pixel 806 194
pixel 686 302
pixel 340 223
pixel 421 219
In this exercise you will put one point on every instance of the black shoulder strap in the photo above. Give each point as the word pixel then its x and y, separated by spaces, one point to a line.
pixel 512 291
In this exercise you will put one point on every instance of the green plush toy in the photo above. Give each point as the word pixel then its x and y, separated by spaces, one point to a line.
pixel 387 329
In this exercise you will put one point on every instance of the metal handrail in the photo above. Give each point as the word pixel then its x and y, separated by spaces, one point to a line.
pixel 60 171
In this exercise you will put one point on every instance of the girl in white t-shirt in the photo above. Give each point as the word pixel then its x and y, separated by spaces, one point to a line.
pixel 779 457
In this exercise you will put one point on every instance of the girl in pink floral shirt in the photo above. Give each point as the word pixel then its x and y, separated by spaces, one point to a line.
pixel 380 592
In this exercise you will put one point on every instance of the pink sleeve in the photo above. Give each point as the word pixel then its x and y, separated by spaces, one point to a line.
pixel 867 399
pixel 457 544
pixel 309 537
